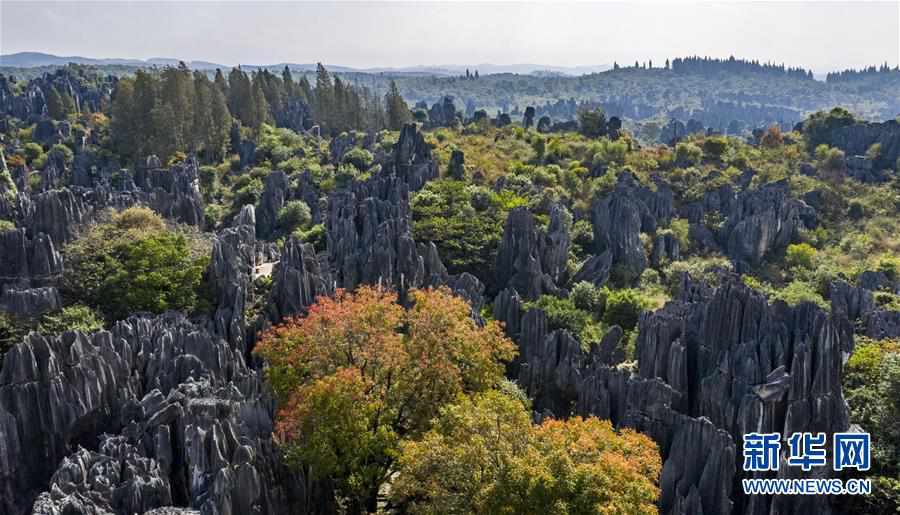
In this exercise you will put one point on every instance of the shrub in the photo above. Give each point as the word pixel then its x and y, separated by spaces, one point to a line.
pixel 6 225
pixel 64 152
pixel 889 266
pixel 358 157
pixel 33 152
pixel 562 313
pixel 315 235
pixel 294 215
pixel 874 151
pixel 610 152
pixel 714 147
pixel 624 307
pixel 798 291
pixel 135 263
pixel 76 317
pixel 587 297
pixel 772 137
pixel 687 154
pixel 800 255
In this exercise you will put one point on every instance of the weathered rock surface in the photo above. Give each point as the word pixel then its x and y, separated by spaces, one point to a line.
pixel 617 228
pixel 761 221
pixel 275 193
pixel 413 161
pixel 298 279
pixel 234 258
pixel 186 423
pixel 443 113
pixel 30 302
pixel 712 366
pixel 173 193
pixel 530 260
pixel 856 139
pixel 28 261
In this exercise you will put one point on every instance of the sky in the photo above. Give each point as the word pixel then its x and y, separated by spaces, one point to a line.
pixel 821 36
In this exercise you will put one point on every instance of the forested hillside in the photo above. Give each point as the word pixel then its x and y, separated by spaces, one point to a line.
pixel 280 293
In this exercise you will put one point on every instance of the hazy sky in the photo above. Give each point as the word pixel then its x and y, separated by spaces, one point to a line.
pixel 818 35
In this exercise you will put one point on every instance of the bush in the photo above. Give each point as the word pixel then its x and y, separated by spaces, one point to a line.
pixel 76 317
pixel 624 307
pixel 800 255
pixel 687 154
pixel 359 157
pixel 294 215
pixel 610 152
pixel 315 235
pixel 797 292
pixel 715 147
pixel 590 298
pixel 562 313
pixel 64 152
pixel 135 263
pixel 33 152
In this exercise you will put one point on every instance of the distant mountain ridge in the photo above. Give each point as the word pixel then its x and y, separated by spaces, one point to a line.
pixel 37 59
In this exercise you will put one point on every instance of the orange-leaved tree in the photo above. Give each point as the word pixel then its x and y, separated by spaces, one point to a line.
pixel 483 456
pixel 359 374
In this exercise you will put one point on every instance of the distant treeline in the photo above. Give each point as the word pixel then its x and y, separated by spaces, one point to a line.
pixel 708 65
pixel 174 109
pixel 871 71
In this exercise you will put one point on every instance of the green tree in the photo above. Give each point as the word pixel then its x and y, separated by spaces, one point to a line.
pixel 592 122
pixel 135 263
pixel 398 113
pixel 624 307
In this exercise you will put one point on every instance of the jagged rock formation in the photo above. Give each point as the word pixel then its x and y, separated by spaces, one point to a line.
pixel 443 113
pixel 412 158
pixel 857 138
pixel 30 302
pixel 530 260
pixel 234 257
pixel 528 118
pixel 370 242
pixel 761 221
pixel 666 249
pixel 185 422
pixel 274 195
pixel 28 261
pixel 702 381
pixel 617 227
pixel 457 167
pixel 595 269
pixel 173 193
pixel 298 279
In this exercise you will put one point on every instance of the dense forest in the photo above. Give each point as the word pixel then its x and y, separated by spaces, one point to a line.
pixel 261 291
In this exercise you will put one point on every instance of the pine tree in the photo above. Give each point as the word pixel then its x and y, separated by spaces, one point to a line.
pixel 220 82
pixel 324 103
pixel 220 125
pixel 398 112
